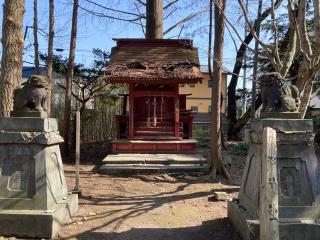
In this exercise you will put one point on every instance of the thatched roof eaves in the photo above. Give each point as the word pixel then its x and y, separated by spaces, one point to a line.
pixel 132 62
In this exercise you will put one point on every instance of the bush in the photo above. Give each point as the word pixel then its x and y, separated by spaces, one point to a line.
pixel 240 149
pixel 202 137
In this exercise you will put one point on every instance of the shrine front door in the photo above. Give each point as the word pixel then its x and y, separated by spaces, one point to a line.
pixel 154 110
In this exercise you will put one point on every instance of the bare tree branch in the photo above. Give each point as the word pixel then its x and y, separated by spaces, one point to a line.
pixel 170 13
pixel 142 3
pixel 232 38
pixel 302 28
pixel 184 20
pixel 73 94
pixel 275 35
pixel 116 10
pixel 180 31
pixel 140 20
pixel 170 4
pixel 316 26
pixel 109 16
pixel 234 29
pixel 267 47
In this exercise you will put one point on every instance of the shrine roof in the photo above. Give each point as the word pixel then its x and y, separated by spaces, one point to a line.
pixel 161 60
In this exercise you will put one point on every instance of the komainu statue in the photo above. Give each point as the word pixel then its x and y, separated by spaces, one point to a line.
pixel 33 95
pixel 277 95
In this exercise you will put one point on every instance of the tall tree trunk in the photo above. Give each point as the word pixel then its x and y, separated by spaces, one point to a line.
pixel 12 50
pixel 255 65
pixel 232 87
pixel 50 51
pixel 82 108
pixel 154 23
pixel 67 108
pixel 216 156
pixel 35 37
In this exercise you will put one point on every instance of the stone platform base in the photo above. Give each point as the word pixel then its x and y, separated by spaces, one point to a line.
pixel 290 229
pixel 142 163
pixel 37 223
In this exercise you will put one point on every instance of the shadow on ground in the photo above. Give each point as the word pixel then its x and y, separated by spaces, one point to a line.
pixel 218 229
pixel 149 208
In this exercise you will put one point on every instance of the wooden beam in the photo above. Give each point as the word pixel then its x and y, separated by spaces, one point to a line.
pixel 269 210
pixel 154 93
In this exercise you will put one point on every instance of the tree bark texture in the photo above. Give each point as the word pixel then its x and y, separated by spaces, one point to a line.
pixel 12 51
pixel 35 37
pixel 67 108
pixel 216 156
pixel 154 22
pixel 50 51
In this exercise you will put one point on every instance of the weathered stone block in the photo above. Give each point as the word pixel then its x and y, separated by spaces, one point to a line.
pixel 283 125
pixel 30 114
pixel 28 124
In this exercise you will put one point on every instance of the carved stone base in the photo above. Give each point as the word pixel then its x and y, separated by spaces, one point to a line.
pixel 30 114
pixel 290 229
pixel 32 181
pixel 282 115
pixel 298 177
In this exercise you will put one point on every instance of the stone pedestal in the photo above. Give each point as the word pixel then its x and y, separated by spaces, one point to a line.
pixel 298 179
pixel 34 200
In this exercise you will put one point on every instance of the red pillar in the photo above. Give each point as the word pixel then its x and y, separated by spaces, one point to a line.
pixel 131 110
pixel 177 112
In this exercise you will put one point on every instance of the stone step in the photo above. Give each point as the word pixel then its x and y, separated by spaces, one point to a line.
pixel 135 163
pixel 144 124
pixel 156 137
pixel 133 169
pixel 154 133
pixel 157 128
pixel 138 158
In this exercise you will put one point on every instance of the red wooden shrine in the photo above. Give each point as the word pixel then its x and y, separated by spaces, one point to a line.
pixel 156 119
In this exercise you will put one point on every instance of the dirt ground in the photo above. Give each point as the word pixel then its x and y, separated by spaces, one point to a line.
pixel 148 207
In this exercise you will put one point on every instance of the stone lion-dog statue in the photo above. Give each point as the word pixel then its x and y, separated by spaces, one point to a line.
pixel 33 95
pixel 277 94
